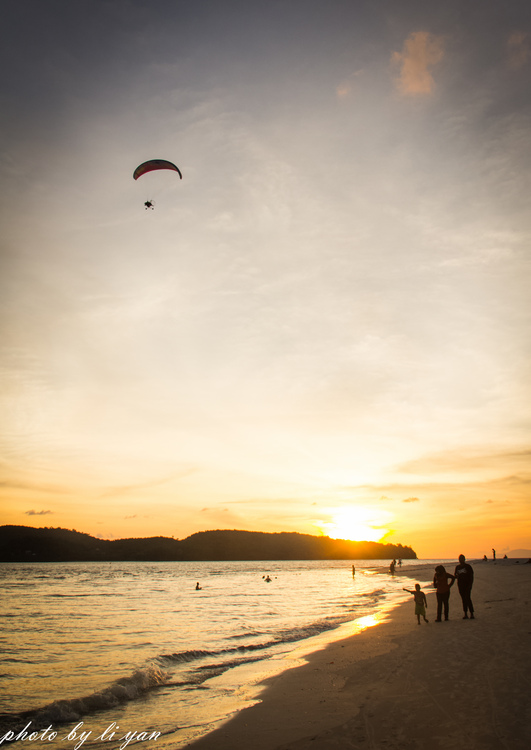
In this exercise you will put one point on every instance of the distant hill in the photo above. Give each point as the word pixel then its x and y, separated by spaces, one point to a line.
pixel 28 544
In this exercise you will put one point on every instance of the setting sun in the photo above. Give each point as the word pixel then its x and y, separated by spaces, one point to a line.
pixel 357 524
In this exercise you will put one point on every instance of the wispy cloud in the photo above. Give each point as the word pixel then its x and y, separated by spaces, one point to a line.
pixel 14 484
pixel 220 517
pixel 517 485
pixel 421 52
pixel 139 486
pixel 38 513
pixel 411 500
pixel 518 50
pixel 344 89
pixel 466 461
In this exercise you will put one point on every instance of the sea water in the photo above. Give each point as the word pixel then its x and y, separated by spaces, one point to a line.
pixel 99 651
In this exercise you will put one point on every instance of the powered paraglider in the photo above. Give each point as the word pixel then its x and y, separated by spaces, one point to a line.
pixel 157 182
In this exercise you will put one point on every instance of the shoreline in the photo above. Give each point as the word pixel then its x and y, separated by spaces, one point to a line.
pixel 398 686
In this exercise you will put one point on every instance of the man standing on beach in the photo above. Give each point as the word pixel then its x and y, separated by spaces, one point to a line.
pixel 465 578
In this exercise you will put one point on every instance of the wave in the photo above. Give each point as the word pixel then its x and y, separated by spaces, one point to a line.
pixel 240 636
pixel 189 669
pixel 373 594
pixel 289 635
pixel 183 656
pixel 113 595
pixel 121 691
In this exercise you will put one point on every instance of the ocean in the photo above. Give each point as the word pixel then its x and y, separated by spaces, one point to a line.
pixel 118 654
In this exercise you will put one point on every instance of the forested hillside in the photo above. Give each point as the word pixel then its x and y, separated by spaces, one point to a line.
pixel 28 544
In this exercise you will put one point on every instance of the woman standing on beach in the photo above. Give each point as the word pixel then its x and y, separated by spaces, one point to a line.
pixel 440 581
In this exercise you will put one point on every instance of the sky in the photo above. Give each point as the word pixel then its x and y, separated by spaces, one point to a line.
pixel 324 327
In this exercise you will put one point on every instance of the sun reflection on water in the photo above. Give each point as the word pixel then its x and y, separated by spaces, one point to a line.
pixel 369 621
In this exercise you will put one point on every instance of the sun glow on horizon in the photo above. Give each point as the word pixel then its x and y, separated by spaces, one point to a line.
pixel 358 524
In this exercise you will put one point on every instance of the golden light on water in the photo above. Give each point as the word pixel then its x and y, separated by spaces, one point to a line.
pixel 368 621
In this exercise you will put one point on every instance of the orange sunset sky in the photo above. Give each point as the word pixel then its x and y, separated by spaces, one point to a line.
pixel 325 326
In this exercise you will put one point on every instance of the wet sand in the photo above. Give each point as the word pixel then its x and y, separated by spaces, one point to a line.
pixel 399 686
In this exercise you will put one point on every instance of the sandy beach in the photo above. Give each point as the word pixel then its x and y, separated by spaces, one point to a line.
pixel 400 686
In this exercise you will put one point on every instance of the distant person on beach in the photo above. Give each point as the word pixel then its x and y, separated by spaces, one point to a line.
pixel 440 581
pixel 197 586
pixel 494 554
pixel 421 602
pixel 353 571
pixel 485 558
pixel 465 578
pixel 392 567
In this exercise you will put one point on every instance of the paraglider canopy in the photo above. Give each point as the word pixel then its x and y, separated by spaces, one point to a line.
pixel 152 165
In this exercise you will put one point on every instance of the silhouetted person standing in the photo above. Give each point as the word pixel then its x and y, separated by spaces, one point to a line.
pixel 465 578
pixel 440 581
pixel 421 602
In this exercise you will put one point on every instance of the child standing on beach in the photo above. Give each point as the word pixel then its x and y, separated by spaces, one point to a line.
pixel 421 602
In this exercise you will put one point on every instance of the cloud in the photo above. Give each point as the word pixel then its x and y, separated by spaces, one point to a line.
pixel 344 89
pixel 518 50
pixel 140 486
pixel 21 485
pixel 422 51
pixel 38 513
pixel 506 489
pixel 222 518
pixel 467 461
pixel 411 500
